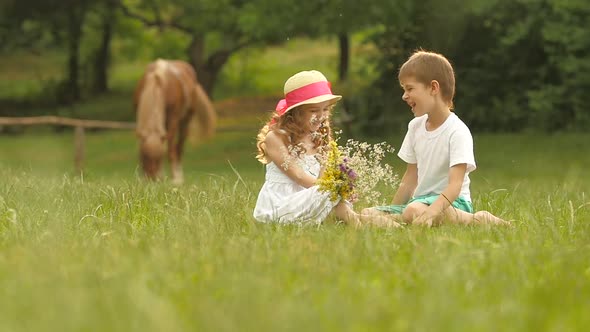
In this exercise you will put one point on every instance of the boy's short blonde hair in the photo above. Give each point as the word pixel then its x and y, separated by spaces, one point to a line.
pixel 428 66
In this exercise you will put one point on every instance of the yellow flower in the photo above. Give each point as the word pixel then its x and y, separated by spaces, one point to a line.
pixel 338 178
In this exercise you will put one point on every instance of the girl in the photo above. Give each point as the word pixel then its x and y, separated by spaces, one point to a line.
pixel 291 146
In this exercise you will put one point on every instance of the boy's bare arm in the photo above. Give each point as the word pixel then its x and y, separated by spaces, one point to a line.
pixel 407 185
pixel 447 197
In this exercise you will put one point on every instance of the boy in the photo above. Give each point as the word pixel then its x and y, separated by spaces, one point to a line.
pixel 438 150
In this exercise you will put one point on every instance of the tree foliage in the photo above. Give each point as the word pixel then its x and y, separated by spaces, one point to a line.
pixel 519 64
pixel 217 29
pixel 60 24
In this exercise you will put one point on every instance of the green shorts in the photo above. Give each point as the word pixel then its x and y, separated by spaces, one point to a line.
pixel 460 203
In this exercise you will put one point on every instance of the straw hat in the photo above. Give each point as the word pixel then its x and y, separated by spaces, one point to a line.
pixel 305 87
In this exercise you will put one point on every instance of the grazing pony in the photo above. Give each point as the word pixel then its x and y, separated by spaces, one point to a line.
pixel 166 99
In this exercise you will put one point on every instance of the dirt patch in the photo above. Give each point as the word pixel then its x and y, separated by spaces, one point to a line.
pixel 244 113
pixel 245 106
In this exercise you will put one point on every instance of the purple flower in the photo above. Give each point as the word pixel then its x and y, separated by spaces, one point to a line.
pixel 342 168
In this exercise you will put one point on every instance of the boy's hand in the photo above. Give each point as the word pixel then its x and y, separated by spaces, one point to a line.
pixel 428 219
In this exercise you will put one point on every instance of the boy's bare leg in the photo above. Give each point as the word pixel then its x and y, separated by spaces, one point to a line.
pixel 346 213
pixel 378 218
pixel 413 211
pixel 485 217
pixel 457 216
pixel 454 215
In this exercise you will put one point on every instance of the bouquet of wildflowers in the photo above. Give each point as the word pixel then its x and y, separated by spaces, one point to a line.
pixel 355 170
pixel 368 161
pixel 338 178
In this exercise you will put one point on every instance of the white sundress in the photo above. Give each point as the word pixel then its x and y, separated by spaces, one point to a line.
pixel 283 200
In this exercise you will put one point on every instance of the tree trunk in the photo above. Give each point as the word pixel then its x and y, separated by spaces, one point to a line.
pixel 72 86
pixel 212 68
pixel 345 115
pixel 207 69
pixel 102 56
pixel 196 50
pixel 344 43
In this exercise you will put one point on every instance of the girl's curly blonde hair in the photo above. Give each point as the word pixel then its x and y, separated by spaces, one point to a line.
pixel 290 126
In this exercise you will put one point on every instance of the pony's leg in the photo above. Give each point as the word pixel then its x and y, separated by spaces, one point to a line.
pixel 177 173
pixel 151 167
pixel 173 155
pixel 145 166
pixel 158 169
pixel 182 135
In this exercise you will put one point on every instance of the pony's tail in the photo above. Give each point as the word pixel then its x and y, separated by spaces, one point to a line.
pixel 204 113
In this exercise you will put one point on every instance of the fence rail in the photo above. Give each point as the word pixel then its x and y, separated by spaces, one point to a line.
pixel 60 121
pixel 79 124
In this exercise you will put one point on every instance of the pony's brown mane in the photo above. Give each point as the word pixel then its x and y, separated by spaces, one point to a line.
pixel 151 110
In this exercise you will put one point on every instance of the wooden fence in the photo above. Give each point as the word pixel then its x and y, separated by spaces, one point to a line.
pixel 79 124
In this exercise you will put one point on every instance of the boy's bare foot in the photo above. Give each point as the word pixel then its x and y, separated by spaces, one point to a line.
pixel 485 217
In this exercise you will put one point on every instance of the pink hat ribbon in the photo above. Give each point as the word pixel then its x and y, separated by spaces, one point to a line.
pixel 302 94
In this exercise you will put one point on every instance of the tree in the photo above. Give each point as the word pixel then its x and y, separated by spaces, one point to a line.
pixel 401 28
pixel 217 29
pixel 101 57
pixel 529 66
pixel 65 19
pixel 519 64
pixel 342 18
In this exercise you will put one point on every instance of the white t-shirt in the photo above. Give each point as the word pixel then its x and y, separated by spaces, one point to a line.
pixel 436 151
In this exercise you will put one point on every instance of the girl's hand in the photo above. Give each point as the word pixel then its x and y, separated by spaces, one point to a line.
pixel 277 151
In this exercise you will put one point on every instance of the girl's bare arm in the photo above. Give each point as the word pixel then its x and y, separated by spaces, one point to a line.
pixel 278 152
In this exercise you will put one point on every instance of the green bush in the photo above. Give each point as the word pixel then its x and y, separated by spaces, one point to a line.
pixel 519 65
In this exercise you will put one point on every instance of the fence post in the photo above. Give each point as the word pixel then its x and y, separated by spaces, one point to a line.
pixel 79 124
pixel 79 148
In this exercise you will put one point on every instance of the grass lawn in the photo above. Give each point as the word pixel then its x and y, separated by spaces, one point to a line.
pixel 108 251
